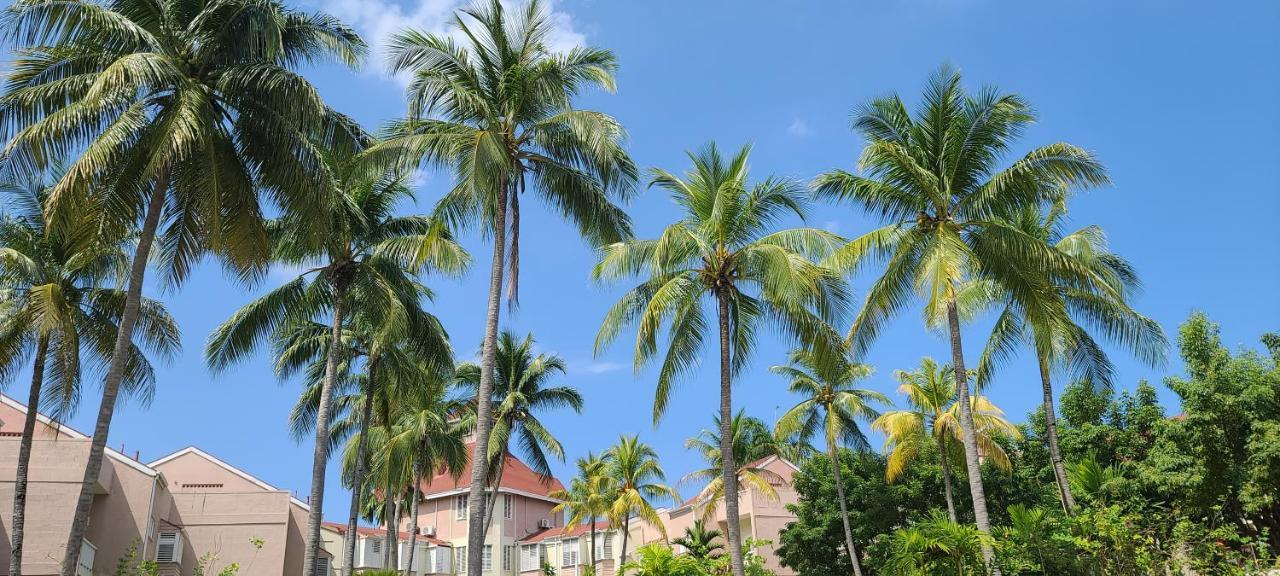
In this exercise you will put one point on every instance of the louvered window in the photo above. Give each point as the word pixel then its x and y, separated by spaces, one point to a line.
pixel 322 565
pixel 169 548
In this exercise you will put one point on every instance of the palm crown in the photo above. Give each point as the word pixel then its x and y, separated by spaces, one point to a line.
pixel 752 442
pixel 832 404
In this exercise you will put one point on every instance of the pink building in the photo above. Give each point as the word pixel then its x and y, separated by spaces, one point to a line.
pixel 174 510
pixel 760 517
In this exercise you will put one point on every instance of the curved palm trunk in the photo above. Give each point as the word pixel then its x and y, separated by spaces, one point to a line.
pixel 946 480
pixel 729 468
pixel 844 510
pixel 1051 431
pixel 492 497
pixel 972 465
pixel 320 454
pixel 24 457
pixel 413 517
pixel 357 481
pixel 484 410
pixel 115 373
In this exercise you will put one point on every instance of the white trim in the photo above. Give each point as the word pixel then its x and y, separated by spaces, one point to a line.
pixel 770 460
pixel 457 491
pixel 229 468
pixel 74 434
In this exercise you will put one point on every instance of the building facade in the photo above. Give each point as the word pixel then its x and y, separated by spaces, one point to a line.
pixel 176 511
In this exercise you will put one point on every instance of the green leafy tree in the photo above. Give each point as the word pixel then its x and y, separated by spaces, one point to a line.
pixel 589 496
pixel 365 264
pixel 932 416
pixel 935 178
pixel 520 392
pixel 497 110
pixel 638 479
pixel 178 113
pixel 701 543
pixel 60 305
pixel 937 546
pixel 659 560
pixel 832 405
pixel 723 251
pixel 752 442
pixel 1065 342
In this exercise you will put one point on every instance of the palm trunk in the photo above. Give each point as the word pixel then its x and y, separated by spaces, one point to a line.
pixel 946 480
pixel 388 516
pixel 115 373
pixel 484 409
pixel 492 498
pixel 1051 431
pixel 972 465
pixel 844 510
pixel 413 516
pixel 357 481
pixel 626 533
pixel 320 454
pixel 393 534
pixel 729 468
pixel 593 545
pixel 24 456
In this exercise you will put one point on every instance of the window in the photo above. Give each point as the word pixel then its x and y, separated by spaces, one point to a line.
pixel 376 546
pixel 507 552
pixel 460 560
pixel 608 545
pixel 508 505
pixel 322 565
pixel 460 507
pixel 169 548
pixel 486 556
pixel 569 552
pixel 530 557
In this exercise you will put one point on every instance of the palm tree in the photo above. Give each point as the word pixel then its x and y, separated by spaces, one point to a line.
pixel 59 303
pixel 833 405
pixel 1065 343
pixel 657 560
pixel 699 542
pixel 933 415
pixel 498 111
pixel 638 479
pixel 178 113
pixel 752 441
pixel 365 264
pixel 724 250
pixel 520 392
pixel 588 497
pixel 936 546
pixel 935 178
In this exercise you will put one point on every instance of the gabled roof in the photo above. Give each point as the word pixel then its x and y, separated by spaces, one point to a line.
pixel 760 463
pixel 364 532
pixel 566 532
pixel 229 468
pixel 517 478
pixel 78 435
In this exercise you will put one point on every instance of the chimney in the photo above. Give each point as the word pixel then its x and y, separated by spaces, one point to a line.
pixel 136 454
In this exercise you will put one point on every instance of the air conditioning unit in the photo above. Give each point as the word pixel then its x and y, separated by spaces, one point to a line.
pixel 544 523
pixel 429 531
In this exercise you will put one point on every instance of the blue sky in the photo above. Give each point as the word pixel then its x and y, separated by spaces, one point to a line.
pixel 1177 98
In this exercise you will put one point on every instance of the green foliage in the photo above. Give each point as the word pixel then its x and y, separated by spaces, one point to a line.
pixel 658 560
pixel 130 565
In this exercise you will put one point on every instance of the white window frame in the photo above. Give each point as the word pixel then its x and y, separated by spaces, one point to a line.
pixel 569 553
pixel 173 539
pixel 508 505
pixel 486 557
pixel 507 552
pixel 375 545
pixel 460 507
pixel 460 560
pixel 535 557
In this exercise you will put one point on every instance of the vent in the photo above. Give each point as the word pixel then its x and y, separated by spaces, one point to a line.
pixel 219 485
pixel 322 566
pixel 544 523
pixel 169 548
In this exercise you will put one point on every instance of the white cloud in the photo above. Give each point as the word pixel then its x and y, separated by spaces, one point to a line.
pixel 832 226
pixel 378 20
pixel 602 367
pixel 799 128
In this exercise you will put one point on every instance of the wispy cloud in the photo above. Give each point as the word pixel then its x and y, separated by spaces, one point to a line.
pixel 799 128
pixel 601 367
pixel 378 20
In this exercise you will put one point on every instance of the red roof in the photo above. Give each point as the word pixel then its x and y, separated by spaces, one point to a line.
pixel 566 532
pixel 341 529
pixel 516 475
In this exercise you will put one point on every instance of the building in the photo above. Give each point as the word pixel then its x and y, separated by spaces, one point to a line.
pixel 176 510
pixel 760 517
pixel 569 550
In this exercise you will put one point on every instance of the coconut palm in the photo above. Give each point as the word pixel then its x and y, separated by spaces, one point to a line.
pixel 364 264
pixel 638 478
pixel 752 442
pixel 832 405
pixel 936 179
pixel 177 113
pixel 723 251
pixel 936 546
pixel 699 542
pixel 1067 344
pixel 497 110
pixel 60 303
pixel 588 497
pixel 520 393
pixel 933 416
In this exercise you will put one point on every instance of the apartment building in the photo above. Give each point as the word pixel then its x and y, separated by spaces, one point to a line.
pixel 174 510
